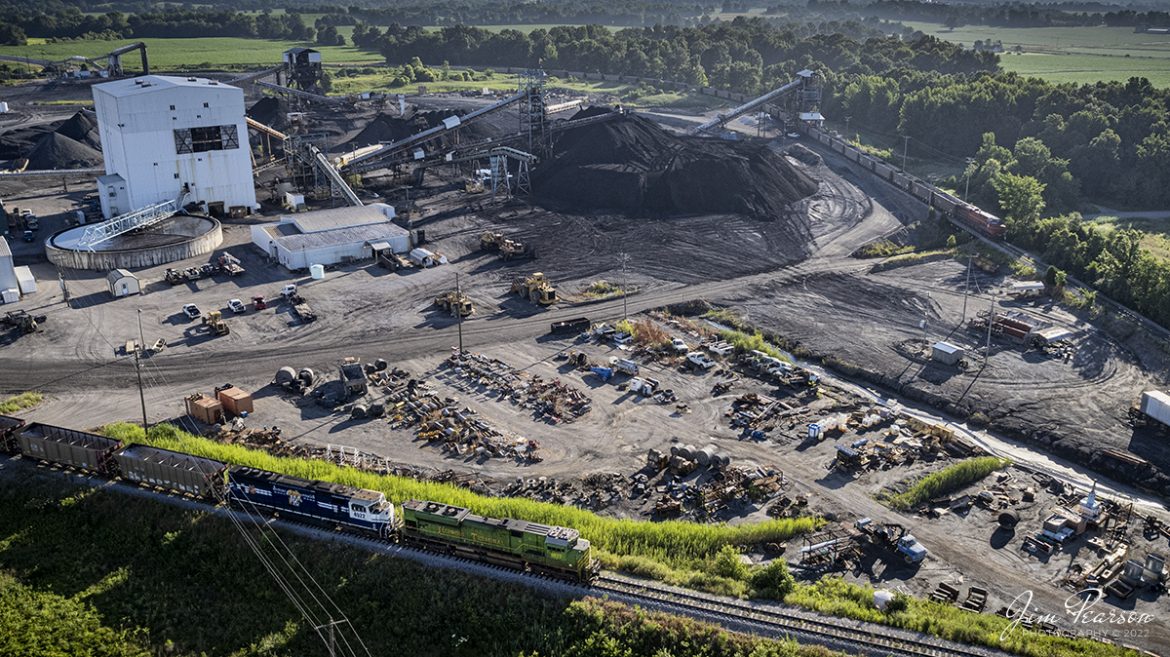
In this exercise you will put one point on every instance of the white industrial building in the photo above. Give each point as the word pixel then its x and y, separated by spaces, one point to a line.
pixel 331 237
pixel 162 135
pixel 9 285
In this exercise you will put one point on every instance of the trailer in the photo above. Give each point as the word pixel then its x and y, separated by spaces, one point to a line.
pixel 1153 409
pixel 576 325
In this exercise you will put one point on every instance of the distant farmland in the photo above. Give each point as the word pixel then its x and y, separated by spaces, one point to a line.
pixel 1071 54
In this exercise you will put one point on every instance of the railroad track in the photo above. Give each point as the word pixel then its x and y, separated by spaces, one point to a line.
pixel 834 632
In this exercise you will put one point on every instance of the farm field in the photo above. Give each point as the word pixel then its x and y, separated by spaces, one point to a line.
pixel 194 53
pixel 1070 54
pixel 1155 232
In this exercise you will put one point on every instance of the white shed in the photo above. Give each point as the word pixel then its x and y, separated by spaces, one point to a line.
pixel 945 352
pixel 122 283
pixel 7 270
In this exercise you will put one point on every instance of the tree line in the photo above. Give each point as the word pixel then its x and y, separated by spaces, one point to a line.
pixel 22 20
pixel 747 55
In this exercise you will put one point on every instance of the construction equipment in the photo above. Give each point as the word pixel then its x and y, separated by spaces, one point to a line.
pixel 536 288
pixel 893 537
pixel 229 264
pixel 454 302
pixel 214 321
pixel 508 249
pixel 353 379
pixel 473 186
pixel 23 321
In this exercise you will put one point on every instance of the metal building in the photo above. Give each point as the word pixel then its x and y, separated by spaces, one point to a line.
pixel 122 283
pixel 9 285
pixel 331 237
pixel 163 136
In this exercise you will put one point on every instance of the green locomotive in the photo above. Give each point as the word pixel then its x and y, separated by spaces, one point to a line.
pixel 519 544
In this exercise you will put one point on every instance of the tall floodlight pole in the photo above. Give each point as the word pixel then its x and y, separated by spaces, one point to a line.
pixel 905 150
pixel 966 289
pixel 990 321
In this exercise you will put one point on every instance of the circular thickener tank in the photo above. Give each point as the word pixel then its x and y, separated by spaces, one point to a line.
pixel 176 238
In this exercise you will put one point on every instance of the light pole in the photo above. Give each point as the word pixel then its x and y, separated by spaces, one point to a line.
pixel 459 312
pixel 967 189
pixel 625 289
pixel 138 371
pixel 905 150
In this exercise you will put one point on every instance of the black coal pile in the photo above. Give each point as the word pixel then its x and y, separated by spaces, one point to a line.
pixel 386 128
pixel 82 127
pixel 630 164
pixel 268 110
pixel 56 151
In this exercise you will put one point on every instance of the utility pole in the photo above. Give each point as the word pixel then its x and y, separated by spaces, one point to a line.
pixel 966 289
pixel 141 395
pixel 625 289
pixel 847 126
pixel 967 189
pixel 990 321
pixel 905 150
pixel 459 316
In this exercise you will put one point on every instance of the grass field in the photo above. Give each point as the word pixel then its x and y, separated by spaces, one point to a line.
pixel 196 53
pixel 1071 54
pixel 1155 233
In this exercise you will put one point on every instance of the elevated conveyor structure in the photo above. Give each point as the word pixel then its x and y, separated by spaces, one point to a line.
pixel 124 223
pixel 803 79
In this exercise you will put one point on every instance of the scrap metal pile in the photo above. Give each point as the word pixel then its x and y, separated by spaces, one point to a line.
pixel 412 404
pixel 551 400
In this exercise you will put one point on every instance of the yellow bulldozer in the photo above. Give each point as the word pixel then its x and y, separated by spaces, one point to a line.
pixel 536 288
pixel 213 320
pixel 455 302
pixel 473 186
pixel 508 249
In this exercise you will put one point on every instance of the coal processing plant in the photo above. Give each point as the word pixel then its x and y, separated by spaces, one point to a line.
pixel 712 312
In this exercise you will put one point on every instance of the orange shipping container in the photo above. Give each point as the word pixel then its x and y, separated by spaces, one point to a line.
pixel 235 401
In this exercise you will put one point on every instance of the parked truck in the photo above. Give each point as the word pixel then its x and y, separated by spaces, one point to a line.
pixel 892 537
pixel 1153 409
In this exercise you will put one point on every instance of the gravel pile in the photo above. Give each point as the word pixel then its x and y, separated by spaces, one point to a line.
pixel 631 165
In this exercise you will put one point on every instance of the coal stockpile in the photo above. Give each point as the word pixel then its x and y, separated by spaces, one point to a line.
pixel 82 127
pixel 268 110
pixel 632 165
pixel 56 151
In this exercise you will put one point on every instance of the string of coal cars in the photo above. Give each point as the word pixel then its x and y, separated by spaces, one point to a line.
pixel 434 526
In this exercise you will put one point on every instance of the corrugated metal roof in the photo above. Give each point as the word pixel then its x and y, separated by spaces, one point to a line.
pixel 358 235
pixel 347 217
pixel 151 83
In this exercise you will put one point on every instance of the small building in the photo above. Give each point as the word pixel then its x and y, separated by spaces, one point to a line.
pixel 332 237
pixel 122 283
pixel 814 119
pixel 947 353
pixel 1051 335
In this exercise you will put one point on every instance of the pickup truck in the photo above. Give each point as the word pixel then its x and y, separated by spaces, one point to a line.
pixel 700 360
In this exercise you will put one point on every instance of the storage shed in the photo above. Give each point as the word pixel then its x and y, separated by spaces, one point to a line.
pixel 947 353
pixel 331 237
pixel 7 269
pixel 122 283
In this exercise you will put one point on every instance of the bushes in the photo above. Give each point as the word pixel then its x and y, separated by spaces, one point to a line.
pixel 671 544
pixel 20 402
pixel 949 479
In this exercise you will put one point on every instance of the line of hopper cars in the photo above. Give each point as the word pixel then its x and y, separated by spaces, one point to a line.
pixel 433 526
pixel 946 204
